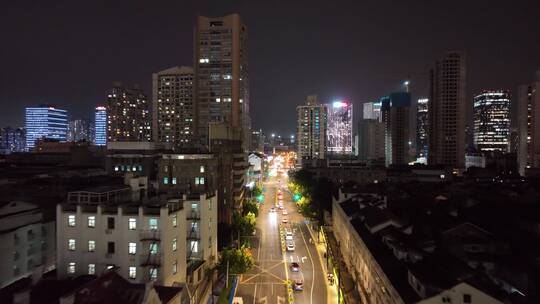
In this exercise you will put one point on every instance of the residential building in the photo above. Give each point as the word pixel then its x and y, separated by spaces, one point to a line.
pixel 27 242
pixel 339 128
pixel 189 173
pixel 80 130
pixel 528 124
pixel 221 75
pixel 311 129
pixel 343 170
pixel 370 140
pixel 100 126
pixel 372 110
pixel 257 140
pixel 136 157
pixel 256 168
pixel 395 117
pixel 447 112
pixel 12 140
pixel 173 110
pixel 45 121
pixel 492 121
pixel 128 116
pixel 422 124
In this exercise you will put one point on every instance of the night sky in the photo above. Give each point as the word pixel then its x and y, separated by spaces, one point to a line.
pixel 68 53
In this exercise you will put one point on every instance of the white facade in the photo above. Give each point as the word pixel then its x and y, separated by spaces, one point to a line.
pixel 461 293
pixel 26 242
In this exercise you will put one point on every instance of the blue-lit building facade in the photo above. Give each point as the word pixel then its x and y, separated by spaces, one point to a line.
pixel 492 121
pixel 100 126
pixel 45 121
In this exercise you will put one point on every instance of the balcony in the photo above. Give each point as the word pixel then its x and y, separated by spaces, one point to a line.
pixel 150 235
pixel 194 215
pixel 150 259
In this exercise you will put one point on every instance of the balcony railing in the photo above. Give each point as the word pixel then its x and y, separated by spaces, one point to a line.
pixel 152 234
pixel 150 259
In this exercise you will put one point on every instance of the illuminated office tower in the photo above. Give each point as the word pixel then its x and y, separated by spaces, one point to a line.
pixel 45 121
pixel 173 110
pixel 447 112
pixel 128 117
pixel 372 110
pixel 221 75
pixel 492 121
pixel 80 130
pixel 528 123
pixel 311 129
pixel 422 129
pixel 339 128
pixel 395 117
pixel 100 126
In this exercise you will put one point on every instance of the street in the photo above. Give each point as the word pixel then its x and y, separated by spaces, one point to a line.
pixel 267 281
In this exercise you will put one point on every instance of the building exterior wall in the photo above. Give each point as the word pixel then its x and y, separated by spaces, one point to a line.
pixel 492 121
pixel 311 129
pixel 458 293
pixel 100 126
pixel 422 124
pixel 528 122
pixel 395 116
pixel 45 121
pixel 12 140
pixel 339 128
pixel 128 115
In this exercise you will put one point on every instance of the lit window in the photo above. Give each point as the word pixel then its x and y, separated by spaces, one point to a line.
pixel 199 180
pixel 201 169
pixel 174 244
pixel 91 268
pixel 91 221
pixel 165 180
pixel 132 223
pixel 71 220
pixel 132 272
pixel 174 267
pixel 174 180
pixel 153 274
pixel 153 223
pixel 91 246
pixel 115 168
pixel 153 248
pixel 174 220
pixel 71 244
pixel 71 268
pixel 132 248
pixel 194 246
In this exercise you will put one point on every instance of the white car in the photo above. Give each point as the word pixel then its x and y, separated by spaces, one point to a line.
pixel 284 212
pixel 288 235
pixel 285 220
pixel 290 246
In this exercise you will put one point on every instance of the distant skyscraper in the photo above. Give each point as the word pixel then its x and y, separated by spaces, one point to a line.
pixel 45 121
pixel 395 116
pixel 128 116
pixel 372 110
pixel 173 111
pixel 311 129
pixel 12 140
pixel 257 140
pixel 492 121
pixel 339 128
pixel 528 123
pixel 422 129
pixel 80 130
pixel 221 69
pixel 447 112
pixel 100 126
pixel 370 139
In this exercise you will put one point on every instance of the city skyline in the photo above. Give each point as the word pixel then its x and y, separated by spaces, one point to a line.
pixel 360 73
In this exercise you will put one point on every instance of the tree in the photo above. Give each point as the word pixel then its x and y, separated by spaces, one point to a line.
pixel 245 225
pixel 250 206
pixel 239 260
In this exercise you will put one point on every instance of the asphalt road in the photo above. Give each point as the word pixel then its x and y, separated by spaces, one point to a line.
pixel 267 281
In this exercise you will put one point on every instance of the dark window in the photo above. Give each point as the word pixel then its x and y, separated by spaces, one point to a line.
pixel 110 223
pixel 467 298
pixel 110 247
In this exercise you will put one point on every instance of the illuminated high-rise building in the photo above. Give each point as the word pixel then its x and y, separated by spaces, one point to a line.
pixel 528 124
pixel 80 130
pixel 422 129
pixel 447 112
pixel 128 116
pixel 372 110
pixel 395 117
pixel 339 128
pixel 311 129
pixel 47 122
pixel 173 111
pixel 100 126
pixel 492 121
pixel 221 75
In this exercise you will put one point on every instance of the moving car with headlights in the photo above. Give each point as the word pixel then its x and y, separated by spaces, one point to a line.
pixel 290 246
pixel 295 267
pixel 298 285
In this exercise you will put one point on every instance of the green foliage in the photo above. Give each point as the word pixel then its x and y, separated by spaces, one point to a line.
pixel 244 224
pixel 250 206
pixel 312 195
pixel 240 260
pixel 257 190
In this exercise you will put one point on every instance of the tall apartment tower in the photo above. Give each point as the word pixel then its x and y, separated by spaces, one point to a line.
pixel 492 121
pixel 447 111
pixel 221 75
pixel 173 111
pixel 395 116
pixel 372 110
pixel 45 121
pixel 80 130
pixel 339 128
pixel 370 140
pixel 128 115
pixel 100 126
pixel 422 129
pixel 528 123
pixel 311 129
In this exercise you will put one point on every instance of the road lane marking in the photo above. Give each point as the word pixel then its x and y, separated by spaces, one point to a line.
pixel 255 293
pixel 312 265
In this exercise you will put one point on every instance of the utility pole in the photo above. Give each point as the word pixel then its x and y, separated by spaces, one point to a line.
pixel 227 276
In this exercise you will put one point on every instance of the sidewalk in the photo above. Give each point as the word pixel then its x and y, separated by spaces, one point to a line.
pixel 331 290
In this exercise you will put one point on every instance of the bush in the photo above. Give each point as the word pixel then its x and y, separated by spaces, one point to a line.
pixel 240 260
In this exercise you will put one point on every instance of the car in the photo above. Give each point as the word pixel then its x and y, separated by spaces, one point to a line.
pixel 298 285
pixel 284 212
pixel 295 267
pixel 280 207
pixel 272 210
pixel 285 220
pixel 290 246
pixel 288 235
